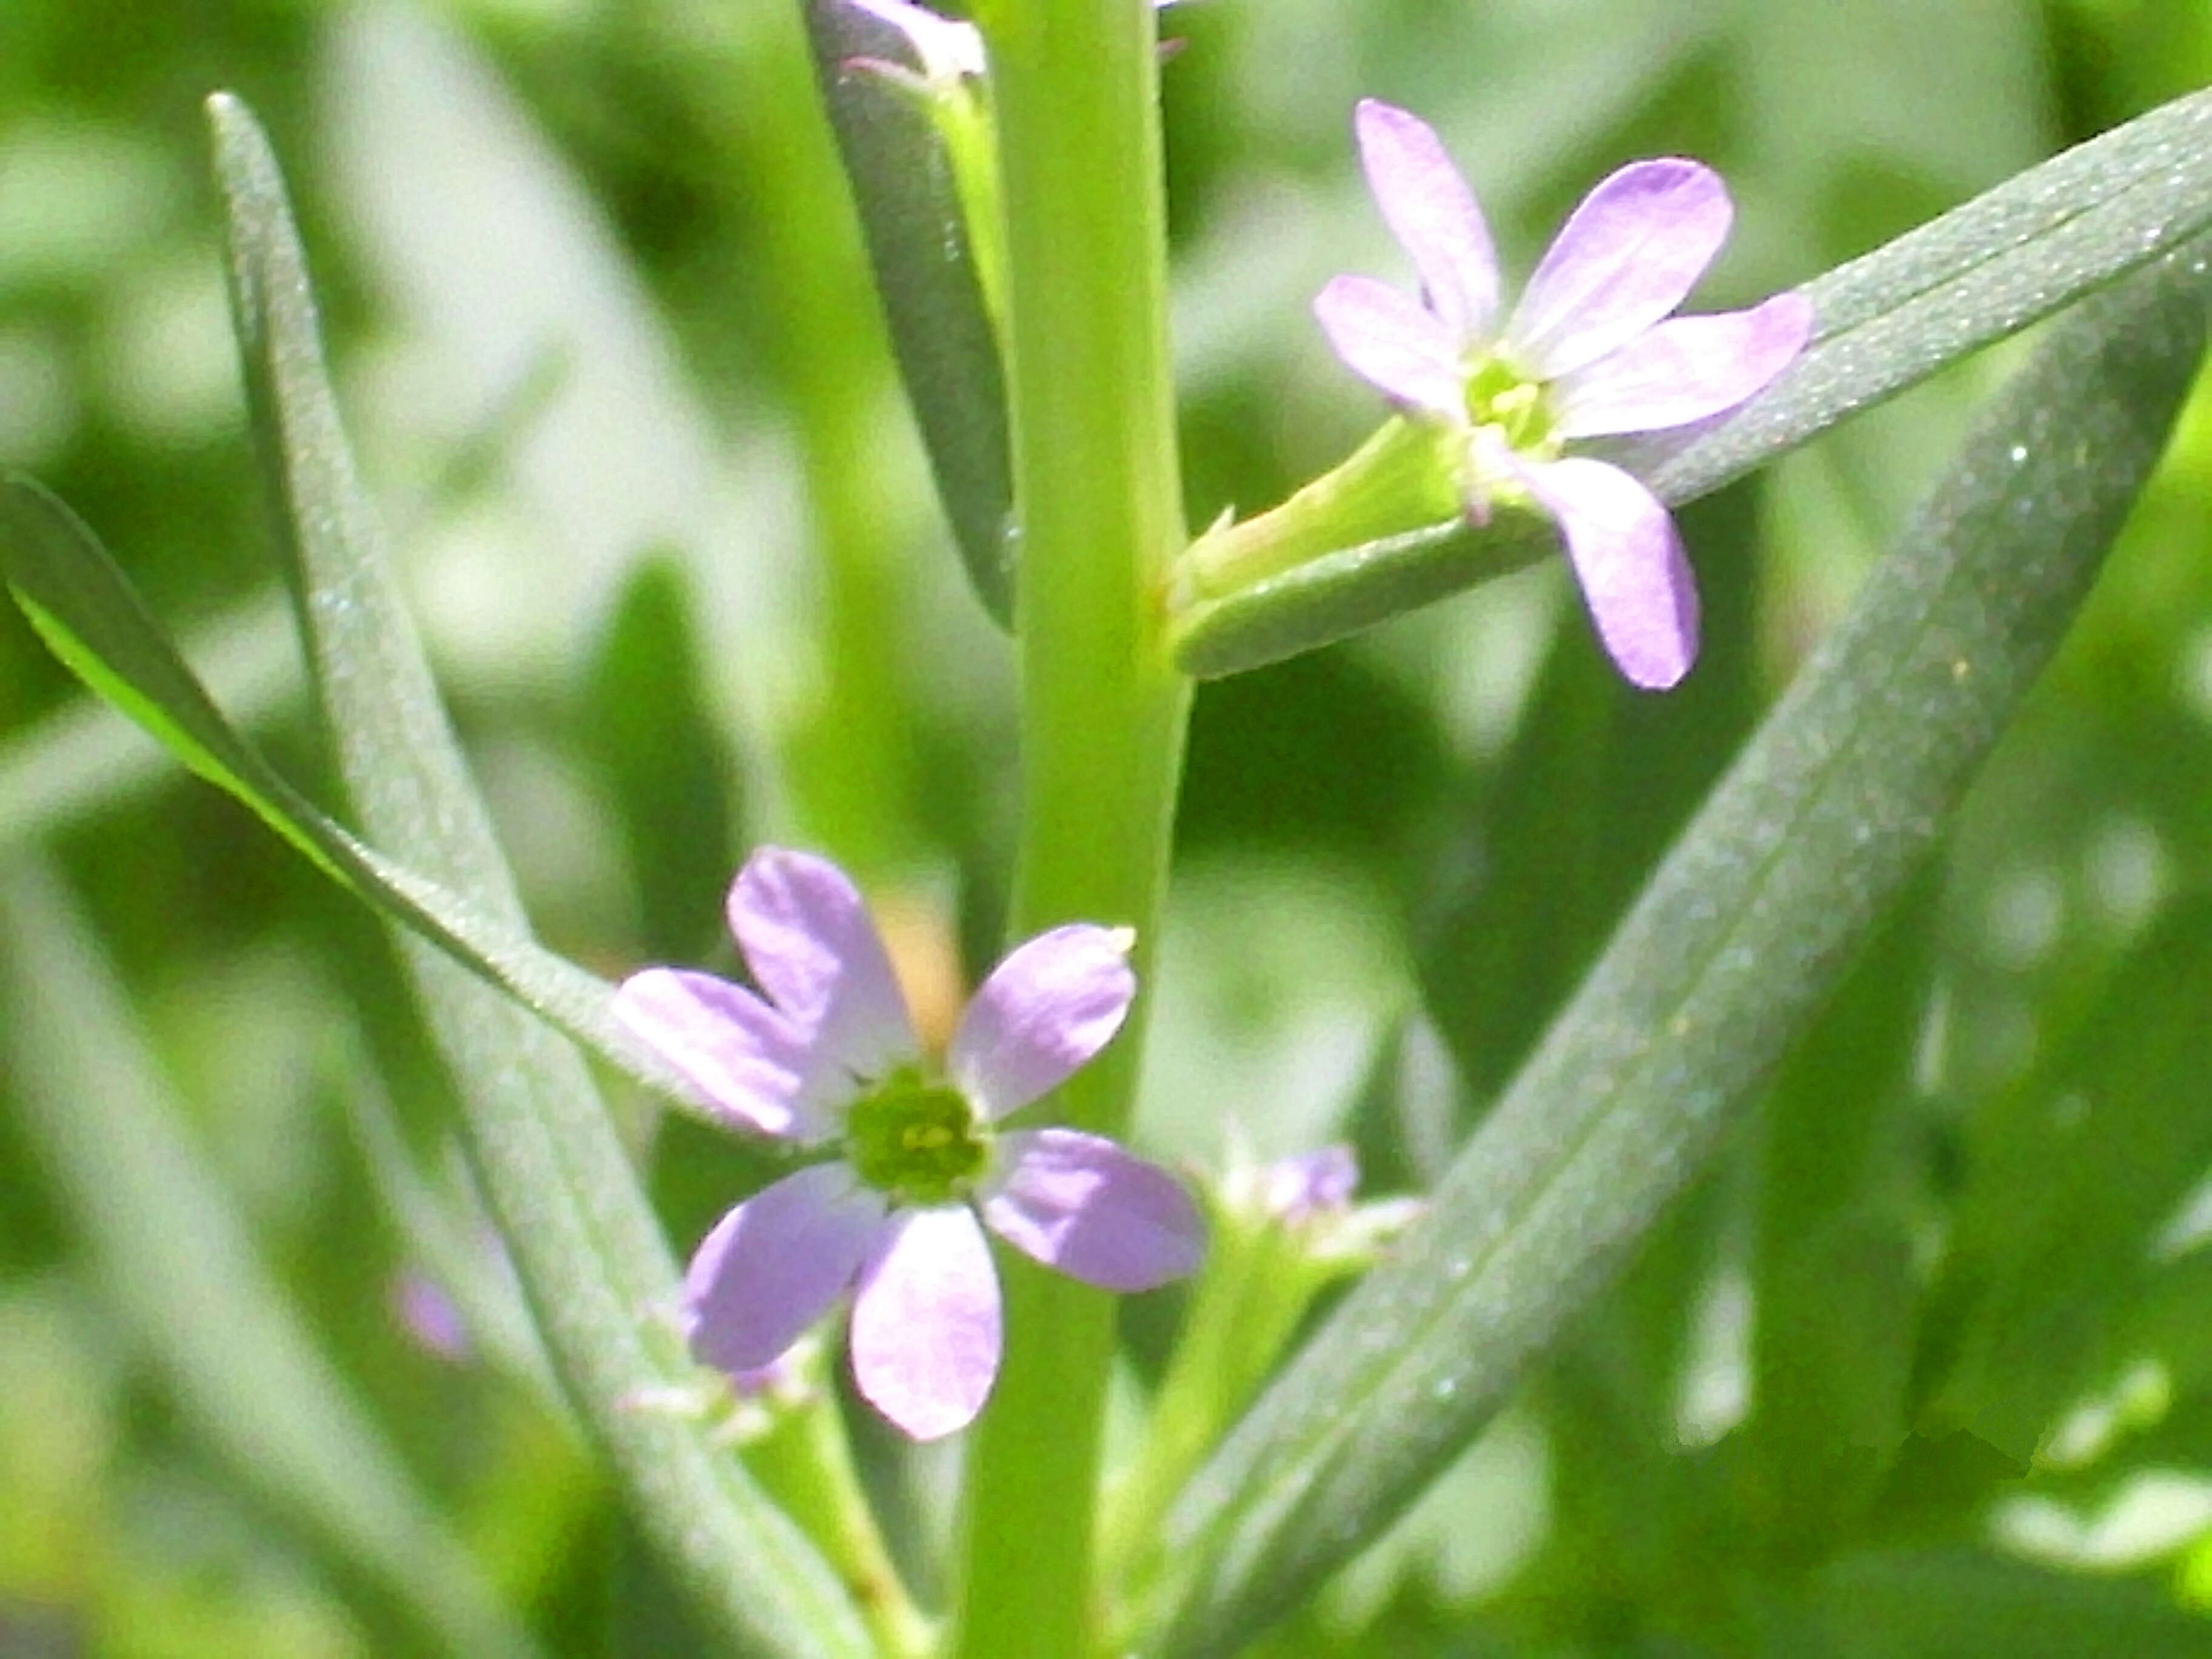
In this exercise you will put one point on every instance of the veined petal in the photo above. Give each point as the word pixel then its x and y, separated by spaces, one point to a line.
pixel 774 1266
pixel 1053 1002
pixel 811 944
pixel 1627 256
pixel 1629 562
pixel 1684 369
pixel 1079 1203
pixel 747 1058
pixel 926 1332
pixel 1433 215
pixel 1394 344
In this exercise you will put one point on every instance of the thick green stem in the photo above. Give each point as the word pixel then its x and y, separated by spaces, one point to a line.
pixel 1076 87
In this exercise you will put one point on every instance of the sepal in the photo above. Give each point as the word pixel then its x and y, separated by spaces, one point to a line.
pixel 1380 534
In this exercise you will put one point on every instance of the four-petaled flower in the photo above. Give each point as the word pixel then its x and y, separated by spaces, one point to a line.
pixel 827 1054
pixel 1591 350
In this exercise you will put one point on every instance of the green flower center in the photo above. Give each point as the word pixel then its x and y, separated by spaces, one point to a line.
pixel 918 1142
pixel 1499 395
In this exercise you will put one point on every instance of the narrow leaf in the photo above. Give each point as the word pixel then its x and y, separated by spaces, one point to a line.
pixel 1576 813
pixel 907 192
pixel 1887 321
pixel 585 1241
pixel 81 759
pixel 168 1243
pixel 85 609
pixel 1729 952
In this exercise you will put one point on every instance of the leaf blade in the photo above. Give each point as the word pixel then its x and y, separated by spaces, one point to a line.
pixel 82 605
pixel 167 1241
pixel 1741 933
pixel 929 281
pixel 584 1240
pixel 2012 256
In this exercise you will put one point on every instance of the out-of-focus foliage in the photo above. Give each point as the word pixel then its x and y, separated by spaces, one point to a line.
pixel 1921 1368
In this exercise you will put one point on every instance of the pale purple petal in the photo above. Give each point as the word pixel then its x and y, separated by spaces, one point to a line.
pixel 1394 344
pixel 1684 369
pixel 926 1334
pixel 1433 215
pixel 1293 1189
pixel 1079 1203
pixel 811 944
pixel 752 1065
pixel 1629 562
pixel 1052 1003
pixel 1627 256
pixel 774 1266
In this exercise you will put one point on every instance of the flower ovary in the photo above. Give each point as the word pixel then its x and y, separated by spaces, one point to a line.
pixel 1500 396
pixel 917 1141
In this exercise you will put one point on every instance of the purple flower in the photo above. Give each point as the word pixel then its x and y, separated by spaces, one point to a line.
pixel 1308 1196
pixel 827 1056
pixel 1590 351
pixel 1295 1190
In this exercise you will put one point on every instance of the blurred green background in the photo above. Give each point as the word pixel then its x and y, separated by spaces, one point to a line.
pixel 1921 1367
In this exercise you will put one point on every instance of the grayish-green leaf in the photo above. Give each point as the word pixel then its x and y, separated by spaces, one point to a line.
pixel 169 1247
pixel 1576 813
pixel 85 609
pixel 81 759
pixel 1987 270
pixel 1727 954
pixel 585 1243
pixel 919 245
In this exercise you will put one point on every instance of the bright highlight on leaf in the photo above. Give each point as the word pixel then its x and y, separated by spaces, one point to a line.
pixel 825 1054
pixel 1590 351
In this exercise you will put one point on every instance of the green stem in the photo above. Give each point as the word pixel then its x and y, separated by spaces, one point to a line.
pixel 1076 87
pixel 1232 1330
pixel 805 1462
